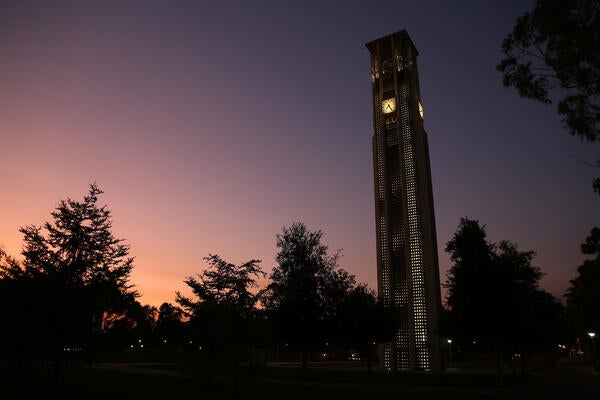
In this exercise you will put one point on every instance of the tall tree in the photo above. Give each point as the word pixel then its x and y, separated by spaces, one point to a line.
pixel 583 296
pixel 223 310
pixel 468 279
pixel 305 288
pixel 494 295
pixel 552 56
pixel 74 273
pixel 77 255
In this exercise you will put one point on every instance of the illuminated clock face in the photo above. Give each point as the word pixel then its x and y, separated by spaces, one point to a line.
pixel 421 110
pixel 388 105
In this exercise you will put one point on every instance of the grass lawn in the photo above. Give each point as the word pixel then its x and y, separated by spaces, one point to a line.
pixel 278 383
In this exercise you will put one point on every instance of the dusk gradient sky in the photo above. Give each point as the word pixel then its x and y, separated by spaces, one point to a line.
pixel 211 125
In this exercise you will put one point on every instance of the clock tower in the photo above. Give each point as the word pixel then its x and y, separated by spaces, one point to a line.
pixel 407 265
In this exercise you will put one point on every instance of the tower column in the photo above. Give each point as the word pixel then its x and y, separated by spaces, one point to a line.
pixel 407 264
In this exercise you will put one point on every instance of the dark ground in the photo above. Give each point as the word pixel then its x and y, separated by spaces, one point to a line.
pixel 164 380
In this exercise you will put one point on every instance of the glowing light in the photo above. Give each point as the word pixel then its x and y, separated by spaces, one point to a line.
pixel 388 105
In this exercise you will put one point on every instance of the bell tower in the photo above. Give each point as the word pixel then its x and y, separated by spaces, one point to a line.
pixel 407 264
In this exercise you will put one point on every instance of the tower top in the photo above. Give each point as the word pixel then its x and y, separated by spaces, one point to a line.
pixel 398 37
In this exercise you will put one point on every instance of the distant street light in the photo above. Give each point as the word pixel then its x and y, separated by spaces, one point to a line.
pixel 592 335
pixel 449 350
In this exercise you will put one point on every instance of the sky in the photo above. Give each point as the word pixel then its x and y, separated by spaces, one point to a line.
pixel 212 125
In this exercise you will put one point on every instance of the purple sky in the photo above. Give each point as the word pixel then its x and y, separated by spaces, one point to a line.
pixel 211 126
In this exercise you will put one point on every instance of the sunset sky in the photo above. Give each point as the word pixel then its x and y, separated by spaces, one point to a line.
pixel 211 125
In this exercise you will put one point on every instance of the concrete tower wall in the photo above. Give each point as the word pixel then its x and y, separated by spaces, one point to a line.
pixel 407 264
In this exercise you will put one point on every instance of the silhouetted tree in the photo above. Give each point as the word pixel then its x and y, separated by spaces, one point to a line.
pixel 467 279
pixel 9 267
pixel 133 329
pixel 222 313
pixel 169 326
pixel 494 295
pixel 74 273
pixel 362 321
pixel 583 296
pixel 13 298
pixel 305 289
pixel 554 48
pixel 553 52
pixel 144 318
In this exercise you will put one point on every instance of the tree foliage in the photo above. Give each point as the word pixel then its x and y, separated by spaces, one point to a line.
pixel 553 53
pixel 223 310
pixel 75 272
pixel 494 295
pixel 362 321
pixel 10 270
pixel 132 329
pixel 306 288
pixel 583 296
pixel 224 284
pixel 169 325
